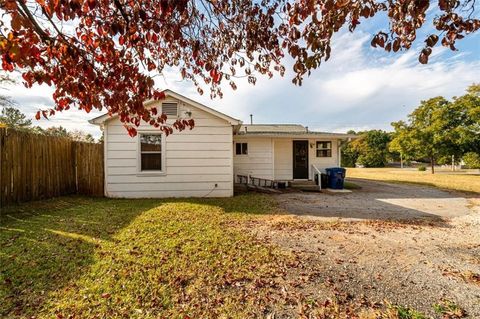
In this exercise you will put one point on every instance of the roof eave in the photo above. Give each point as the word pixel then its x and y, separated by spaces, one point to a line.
pixel 233 121
pixel 300 135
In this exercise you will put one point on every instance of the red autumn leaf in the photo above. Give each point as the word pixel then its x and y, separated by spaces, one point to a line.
pixel 115 48
pixel 423 58
pixel 159 95
pixel 432 40
pixel 132 131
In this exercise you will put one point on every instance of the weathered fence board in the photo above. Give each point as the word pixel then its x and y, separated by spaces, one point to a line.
pixel 34 166
pixel 89 165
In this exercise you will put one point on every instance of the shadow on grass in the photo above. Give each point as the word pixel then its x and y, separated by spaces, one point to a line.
pixel 45 245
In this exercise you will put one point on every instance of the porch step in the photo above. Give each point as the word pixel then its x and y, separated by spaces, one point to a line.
pixel 306 186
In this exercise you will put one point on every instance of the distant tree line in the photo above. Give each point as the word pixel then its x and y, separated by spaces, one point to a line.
pixel 438 131
pixel 13 118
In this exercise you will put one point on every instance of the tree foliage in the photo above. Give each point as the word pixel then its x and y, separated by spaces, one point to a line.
pixel 81 136
pixel 440 128
pixel 102 53
pixel 57 131
pixel 370 149
pixel 472 160
pixel 14 118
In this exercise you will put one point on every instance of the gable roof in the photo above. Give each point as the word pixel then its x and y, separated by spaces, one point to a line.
pixel 105 117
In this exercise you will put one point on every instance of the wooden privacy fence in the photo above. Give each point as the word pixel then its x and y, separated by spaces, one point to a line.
pixel 34 166
pixel 89 168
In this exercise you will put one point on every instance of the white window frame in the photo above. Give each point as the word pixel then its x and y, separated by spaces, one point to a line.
pixel 323 149
pixel 163 171
pixel 235 150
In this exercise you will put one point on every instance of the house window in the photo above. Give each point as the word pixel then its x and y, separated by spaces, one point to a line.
pixel 170 109
pixel 324 149
pixel 151 152
pixel 241 149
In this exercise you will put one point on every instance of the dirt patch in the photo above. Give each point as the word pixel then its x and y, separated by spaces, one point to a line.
pixel 413 246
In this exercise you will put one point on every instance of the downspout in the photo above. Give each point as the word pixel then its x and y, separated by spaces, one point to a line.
pixel 340 154
pixel 273 159
pixel 340 145
pixel 105 159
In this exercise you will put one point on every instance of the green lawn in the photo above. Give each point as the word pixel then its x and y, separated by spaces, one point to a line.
pixel 442 179
pixel 90 258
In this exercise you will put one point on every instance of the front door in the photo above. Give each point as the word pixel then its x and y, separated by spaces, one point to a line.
pixel 300 159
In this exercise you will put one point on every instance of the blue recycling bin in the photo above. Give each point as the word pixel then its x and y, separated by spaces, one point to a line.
pixel 336 177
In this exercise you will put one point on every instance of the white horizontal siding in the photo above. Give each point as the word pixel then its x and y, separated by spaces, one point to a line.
pixel 170 178
pixel 175 154
pixel 205 122
pixel 199 146
pixel 182 162
pixel 168 186
pixel 198 138
pixel 198 162
pixel 323 162
pixel 175 170
pixel 171 193
pixel 283 159
pixel 203 130
pixel 258 162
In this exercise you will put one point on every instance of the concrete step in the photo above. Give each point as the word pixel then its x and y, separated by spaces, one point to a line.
pixel 306 186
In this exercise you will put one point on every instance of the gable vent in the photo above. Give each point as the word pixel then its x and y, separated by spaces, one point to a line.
pixel 170 109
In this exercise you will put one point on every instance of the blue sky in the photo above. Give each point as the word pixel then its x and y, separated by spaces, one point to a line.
pixel 358 88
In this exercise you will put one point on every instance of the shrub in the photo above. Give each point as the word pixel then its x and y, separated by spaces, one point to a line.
pixel 407 313
pixel 422 168
pixel 472 160
pixel 449 309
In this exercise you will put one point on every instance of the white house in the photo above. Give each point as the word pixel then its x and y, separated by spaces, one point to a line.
pixel 204 161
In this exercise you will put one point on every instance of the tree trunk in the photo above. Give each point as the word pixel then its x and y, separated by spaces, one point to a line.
pixel 432 162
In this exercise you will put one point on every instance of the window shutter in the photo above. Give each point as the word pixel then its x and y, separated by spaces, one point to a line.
pixel 170 109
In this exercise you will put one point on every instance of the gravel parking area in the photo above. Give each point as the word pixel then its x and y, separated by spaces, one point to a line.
pixel 409 245
pixel 380 201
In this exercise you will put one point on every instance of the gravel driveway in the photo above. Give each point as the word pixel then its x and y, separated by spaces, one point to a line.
pixel 378 200
pixel 413 246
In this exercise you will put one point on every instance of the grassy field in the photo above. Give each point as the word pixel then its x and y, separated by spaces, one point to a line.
pixel 442 179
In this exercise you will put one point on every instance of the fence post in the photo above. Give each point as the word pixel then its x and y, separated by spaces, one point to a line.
pixel 2 162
